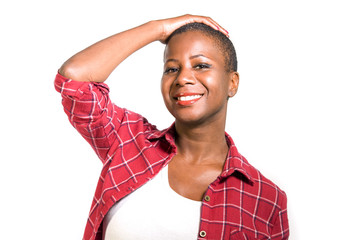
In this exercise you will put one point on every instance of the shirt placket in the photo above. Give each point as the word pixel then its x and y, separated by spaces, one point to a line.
pixel 205 214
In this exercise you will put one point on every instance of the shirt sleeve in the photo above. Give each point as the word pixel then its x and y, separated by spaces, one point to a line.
pixel 92 113
pixel 280 229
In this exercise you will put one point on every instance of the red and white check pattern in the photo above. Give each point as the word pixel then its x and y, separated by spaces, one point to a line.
pixel 240 204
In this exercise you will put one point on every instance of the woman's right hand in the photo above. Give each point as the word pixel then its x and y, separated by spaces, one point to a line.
pixel 168 26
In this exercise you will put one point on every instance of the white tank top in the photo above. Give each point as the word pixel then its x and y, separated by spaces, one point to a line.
pixel 154 211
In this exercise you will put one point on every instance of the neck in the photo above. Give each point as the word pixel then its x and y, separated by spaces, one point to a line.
pixel 202 144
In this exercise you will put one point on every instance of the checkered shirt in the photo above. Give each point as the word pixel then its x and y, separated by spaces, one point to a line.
pixel 240 204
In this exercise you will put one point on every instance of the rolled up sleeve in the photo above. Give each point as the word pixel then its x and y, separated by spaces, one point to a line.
pixel 90 111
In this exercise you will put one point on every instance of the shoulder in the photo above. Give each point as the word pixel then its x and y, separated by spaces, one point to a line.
pixel 255 184
pixel 266 188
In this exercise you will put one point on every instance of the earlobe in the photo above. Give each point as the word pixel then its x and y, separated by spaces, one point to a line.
pixel 233 84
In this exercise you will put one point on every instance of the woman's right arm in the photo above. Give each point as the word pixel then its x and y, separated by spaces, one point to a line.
pixel 96 63
pixel 85 97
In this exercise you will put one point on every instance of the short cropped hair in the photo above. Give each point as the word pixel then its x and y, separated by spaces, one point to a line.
pixel 221 40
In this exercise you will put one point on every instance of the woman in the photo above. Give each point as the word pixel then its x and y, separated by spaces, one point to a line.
pixel 187 181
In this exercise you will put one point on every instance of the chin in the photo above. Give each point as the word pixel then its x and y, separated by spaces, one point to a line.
pixel 194 120
pixel 197 116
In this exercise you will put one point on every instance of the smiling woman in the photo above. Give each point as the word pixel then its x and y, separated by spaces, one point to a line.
pixel 184 182
pixel 196 83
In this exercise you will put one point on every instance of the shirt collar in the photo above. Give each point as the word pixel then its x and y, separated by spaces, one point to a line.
pixel 168 134
pixel 235 162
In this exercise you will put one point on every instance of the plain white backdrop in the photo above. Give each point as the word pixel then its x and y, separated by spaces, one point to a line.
pixel 296 116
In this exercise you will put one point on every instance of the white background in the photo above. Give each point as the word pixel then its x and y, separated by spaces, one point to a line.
pixel 296 116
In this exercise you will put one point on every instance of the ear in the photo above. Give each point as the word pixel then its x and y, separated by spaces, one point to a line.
pixel 233 84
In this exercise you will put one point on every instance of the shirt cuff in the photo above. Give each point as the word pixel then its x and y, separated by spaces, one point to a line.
pixel 73 88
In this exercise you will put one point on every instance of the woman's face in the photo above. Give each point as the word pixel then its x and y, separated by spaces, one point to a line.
pixel 195 84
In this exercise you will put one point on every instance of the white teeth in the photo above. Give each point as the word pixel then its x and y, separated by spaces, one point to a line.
pixel 189 98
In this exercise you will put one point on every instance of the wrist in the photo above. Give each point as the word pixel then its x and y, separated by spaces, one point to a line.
pixel 158 29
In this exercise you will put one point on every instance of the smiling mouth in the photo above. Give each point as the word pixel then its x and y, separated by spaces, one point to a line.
pixel 188 100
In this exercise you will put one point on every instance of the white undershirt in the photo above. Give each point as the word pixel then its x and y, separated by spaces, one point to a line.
pixel 154 211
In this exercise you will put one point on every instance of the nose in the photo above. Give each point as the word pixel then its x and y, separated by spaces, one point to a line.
pixel 184 77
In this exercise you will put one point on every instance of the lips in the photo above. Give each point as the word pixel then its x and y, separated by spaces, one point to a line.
pixel 186 99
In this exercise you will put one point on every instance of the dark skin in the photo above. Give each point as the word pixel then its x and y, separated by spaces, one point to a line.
pixel 194 66
pixel 190 177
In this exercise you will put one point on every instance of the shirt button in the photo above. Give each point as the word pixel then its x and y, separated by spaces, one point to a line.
pixel 207 198
pixel 202 234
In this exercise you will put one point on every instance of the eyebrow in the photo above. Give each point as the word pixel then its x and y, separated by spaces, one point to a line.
pixel 196 56
pixel 192 57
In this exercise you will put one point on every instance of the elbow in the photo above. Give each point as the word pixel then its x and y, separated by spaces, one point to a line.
pixel 71 71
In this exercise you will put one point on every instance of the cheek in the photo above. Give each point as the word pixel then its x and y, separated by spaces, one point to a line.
pixel 165 88
pixel 217 85
pixel 162 86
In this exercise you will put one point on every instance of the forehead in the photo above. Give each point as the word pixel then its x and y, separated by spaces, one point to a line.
pixel 192 43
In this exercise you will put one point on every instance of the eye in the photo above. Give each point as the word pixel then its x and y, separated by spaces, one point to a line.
pixel 202 66
pixel 171 70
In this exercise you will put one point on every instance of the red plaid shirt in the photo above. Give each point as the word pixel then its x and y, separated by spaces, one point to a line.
pixel 240 204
